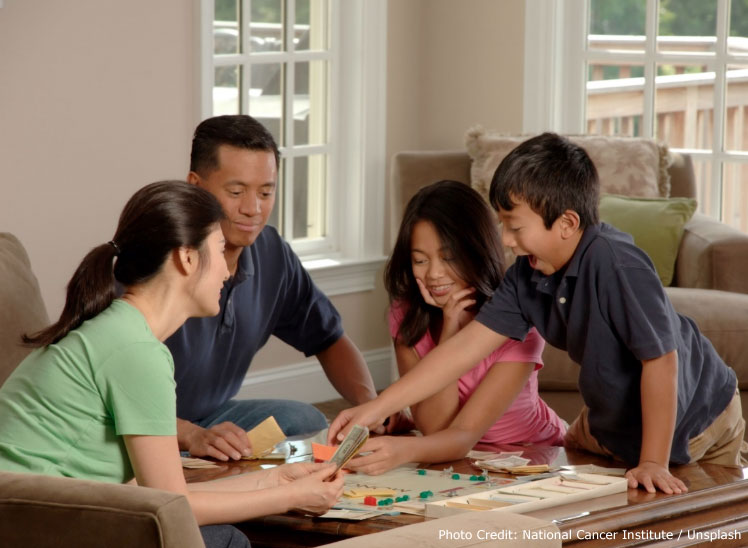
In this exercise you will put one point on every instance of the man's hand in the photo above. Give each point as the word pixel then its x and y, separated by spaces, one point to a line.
pixel 387 452
pixel 223 441
pixel 651 476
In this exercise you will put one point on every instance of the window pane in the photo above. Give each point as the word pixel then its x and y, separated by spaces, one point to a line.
pixel 310 103
pixel 226 27
pixel 707 189
pixel 735 196
pixel 266 25
pixel 737 43
pixel 226 90
pixel 309 188
pixel 687 26
pixel 684 106
pixel 617 25
pixel 736 105
pixel 310 30
pixel 265 97
pixel 615 99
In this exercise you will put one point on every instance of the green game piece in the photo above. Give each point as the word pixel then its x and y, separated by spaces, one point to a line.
pixel 382 502
pixel 455 476
pixel 402 499
pixel 421 472
pixel 426 494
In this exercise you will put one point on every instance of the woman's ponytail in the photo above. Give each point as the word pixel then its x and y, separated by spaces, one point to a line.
pixel 90 291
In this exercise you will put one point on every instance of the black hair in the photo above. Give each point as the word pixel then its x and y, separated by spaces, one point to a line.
pixel 552 175
pixel 236 130
pixel 159 218
pixel 467 228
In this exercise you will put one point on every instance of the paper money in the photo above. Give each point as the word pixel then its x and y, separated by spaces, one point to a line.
pixel 350 446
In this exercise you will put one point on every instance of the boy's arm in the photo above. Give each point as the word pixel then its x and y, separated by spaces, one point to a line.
pixel 442 365
pixel 659 401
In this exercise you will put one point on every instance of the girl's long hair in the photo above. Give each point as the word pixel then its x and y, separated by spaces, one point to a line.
pixel 159 218
pixel 467 228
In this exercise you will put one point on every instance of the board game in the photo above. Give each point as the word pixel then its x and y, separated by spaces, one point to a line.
pixel 531 495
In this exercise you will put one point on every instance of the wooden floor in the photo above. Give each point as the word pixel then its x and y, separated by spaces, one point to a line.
pixel 330 409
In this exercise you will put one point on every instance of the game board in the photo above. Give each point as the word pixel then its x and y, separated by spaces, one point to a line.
pixel 418 485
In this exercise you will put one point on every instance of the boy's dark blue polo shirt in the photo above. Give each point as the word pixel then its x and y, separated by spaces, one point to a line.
pixel 270 294
pixel 609 311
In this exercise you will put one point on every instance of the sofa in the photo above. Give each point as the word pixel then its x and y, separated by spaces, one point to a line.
pixel 43 511
pixel 710 282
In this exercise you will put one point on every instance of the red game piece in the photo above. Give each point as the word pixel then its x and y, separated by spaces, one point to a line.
pixel 370 501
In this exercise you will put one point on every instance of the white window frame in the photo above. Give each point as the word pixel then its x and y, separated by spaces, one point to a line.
pixel 350 257
pixel 554 80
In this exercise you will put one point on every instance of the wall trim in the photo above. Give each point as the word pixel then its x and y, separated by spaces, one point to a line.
pixel 306 381
pixel 335 277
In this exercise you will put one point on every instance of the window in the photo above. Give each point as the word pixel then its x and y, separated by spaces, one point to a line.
pixel 673 70
pixel 303 68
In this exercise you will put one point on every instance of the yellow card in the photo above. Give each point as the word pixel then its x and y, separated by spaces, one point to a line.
pixel 264 437
pixel 371 492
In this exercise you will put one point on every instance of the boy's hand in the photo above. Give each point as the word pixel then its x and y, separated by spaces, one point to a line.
pixel 365 414
pixel 651 475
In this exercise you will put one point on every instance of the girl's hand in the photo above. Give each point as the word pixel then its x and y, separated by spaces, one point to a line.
pixel 313 494
pixel 454 310
pixel 651 476
pixel 387 453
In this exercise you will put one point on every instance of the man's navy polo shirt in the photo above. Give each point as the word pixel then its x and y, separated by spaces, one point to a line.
pixel 609 311
pixel 270 294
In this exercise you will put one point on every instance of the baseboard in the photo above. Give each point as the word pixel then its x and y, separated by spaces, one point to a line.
pixel 306 381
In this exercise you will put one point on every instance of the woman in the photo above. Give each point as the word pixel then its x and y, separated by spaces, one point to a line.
pixel 96 399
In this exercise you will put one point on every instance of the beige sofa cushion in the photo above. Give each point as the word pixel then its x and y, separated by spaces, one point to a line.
pixel 21 306
pixel 626 165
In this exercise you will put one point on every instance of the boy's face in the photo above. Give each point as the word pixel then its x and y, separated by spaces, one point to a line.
pixel 525 233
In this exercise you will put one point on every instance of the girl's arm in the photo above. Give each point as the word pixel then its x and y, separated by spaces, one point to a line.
pixel 436 412
pixel 156 462
pixel 495 394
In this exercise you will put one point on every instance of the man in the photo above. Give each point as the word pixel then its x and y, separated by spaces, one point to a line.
pixel 269 293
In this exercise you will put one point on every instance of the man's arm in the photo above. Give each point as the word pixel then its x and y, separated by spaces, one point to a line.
pixel 347 370
pixel 659 401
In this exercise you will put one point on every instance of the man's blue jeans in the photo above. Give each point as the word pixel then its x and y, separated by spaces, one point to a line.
pixel 295 418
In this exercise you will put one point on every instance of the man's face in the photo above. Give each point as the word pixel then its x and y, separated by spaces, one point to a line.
pixel 245 184
pixel 525 233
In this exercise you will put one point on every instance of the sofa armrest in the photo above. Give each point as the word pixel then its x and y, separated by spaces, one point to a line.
pixel 712 255
pixel 44 511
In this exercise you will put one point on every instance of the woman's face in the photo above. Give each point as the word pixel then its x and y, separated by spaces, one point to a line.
pixel 433 264
pixel 212 275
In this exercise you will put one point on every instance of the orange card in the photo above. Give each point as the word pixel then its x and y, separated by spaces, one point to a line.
pixel 322 452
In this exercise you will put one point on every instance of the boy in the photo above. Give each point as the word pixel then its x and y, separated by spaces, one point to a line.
pixel 655 389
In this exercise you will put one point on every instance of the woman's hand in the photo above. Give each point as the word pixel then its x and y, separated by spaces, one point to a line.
pixel 454 311
pixel 387 453
pixel 312 493
pixel 288 473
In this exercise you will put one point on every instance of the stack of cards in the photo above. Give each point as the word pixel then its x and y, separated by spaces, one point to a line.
pixel 263 438
pixel 192 462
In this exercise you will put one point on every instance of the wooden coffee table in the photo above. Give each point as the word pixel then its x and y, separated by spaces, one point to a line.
pixel 713 513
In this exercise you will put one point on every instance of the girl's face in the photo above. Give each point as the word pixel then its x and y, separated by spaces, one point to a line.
pixel 212 275
pixel 433 264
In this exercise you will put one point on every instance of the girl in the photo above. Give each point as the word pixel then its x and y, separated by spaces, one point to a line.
pixel 446 263
pixel 96 399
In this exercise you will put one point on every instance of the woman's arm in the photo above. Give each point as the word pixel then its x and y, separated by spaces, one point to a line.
pixel 156 462
pixel 495 394
pixel 436 412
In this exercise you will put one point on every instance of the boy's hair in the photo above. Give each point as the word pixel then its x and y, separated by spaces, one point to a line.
pixel 467 228
pixel 552 175
pixel 236 130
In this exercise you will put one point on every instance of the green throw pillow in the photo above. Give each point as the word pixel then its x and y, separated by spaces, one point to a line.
pixel 655 223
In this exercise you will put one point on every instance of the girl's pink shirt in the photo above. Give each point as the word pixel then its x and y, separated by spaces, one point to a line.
pixel 528 419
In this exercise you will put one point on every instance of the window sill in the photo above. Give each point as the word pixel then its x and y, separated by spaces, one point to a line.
pixel 340 277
